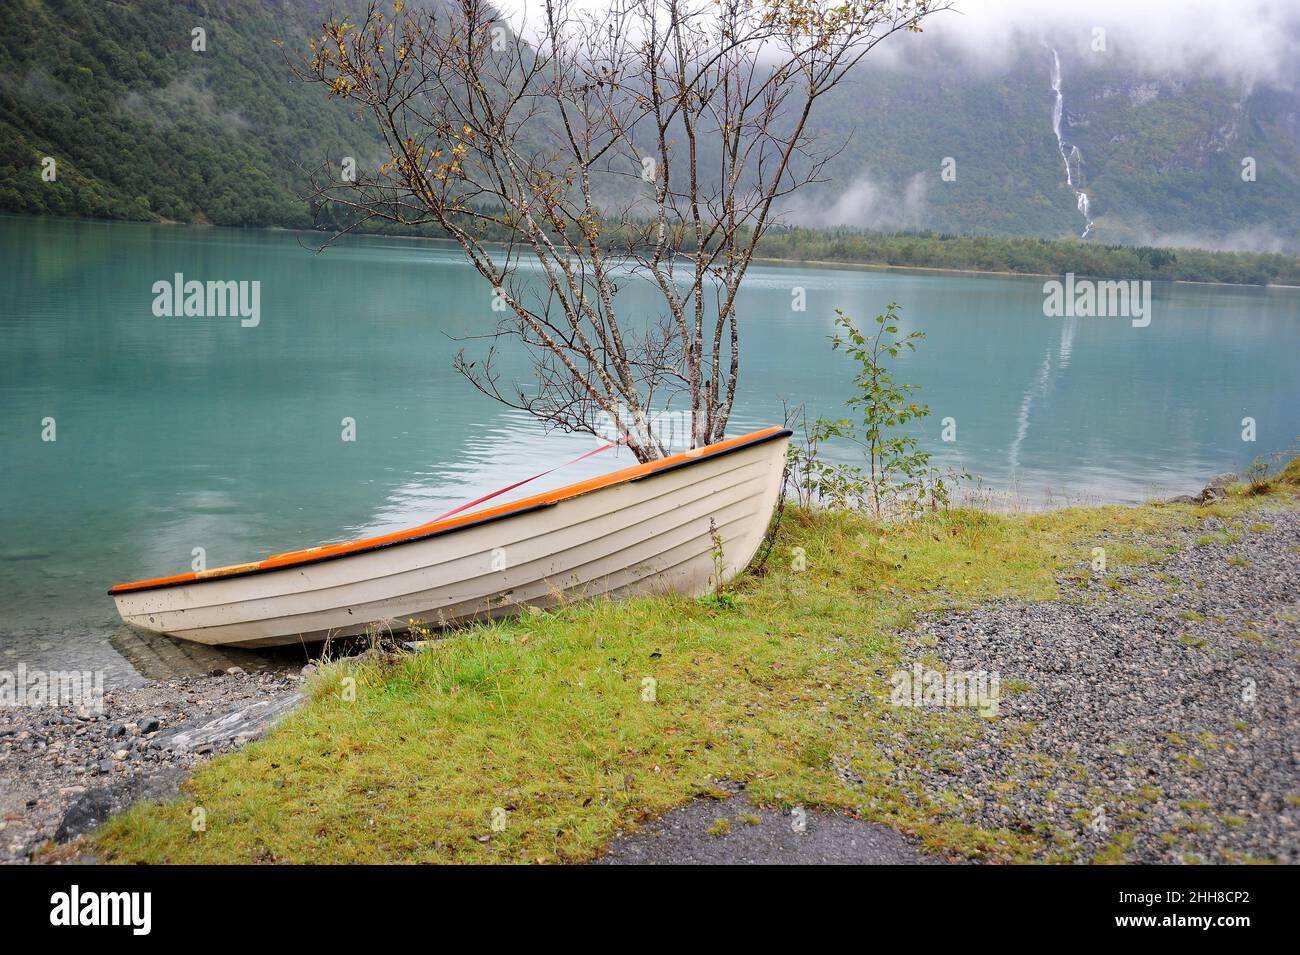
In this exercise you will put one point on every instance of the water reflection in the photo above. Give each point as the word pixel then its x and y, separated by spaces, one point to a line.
pixel 1039 388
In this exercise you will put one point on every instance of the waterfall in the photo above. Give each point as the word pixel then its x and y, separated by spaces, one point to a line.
pixel 1070 156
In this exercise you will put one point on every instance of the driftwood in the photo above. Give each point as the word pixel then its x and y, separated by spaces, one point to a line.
pixel 237 727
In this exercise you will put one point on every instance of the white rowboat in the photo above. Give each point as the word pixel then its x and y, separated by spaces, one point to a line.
pixel 651 528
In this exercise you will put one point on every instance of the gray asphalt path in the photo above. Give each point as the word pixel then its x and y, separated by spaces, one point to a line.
pixel 683 837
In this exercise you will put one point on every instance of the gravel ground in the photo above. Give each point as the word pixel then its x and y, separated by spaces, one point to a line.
pixel 64 770
pixel 1152 715
pixel 692 835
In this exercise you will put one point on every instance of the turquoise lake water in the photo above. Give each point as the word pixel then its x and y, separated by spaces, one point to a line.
pixel 176 433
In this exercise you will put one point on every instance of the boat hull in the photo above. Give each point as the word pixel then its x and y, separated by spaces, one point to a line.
pixel 654 531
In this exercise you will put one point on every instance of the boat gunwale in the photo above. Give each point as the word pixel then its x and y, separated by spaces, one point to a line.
pixel 516 509
pixel 540 534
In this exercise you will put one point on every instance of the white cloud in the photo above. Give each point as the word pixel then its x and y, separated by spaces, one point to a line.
pixel 1252 239
pixel 864 203
pixel 1243 40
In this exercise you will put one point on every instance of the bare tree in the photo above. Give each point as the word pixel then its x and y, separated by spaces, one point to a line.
pixel 650 141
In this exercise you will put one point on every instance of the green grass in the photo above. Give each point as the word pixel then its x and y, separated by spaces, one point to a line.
pixel 1190 762
pixel 1216 537
pixel 785 687
pixel 1115 852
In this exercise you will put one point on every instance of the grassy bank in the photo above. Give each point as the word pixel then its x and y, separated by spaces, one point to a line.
pixel 785 686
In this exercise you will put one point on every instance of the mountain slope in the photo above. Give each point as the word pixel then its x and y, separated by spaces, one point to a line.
pixel 143 127
pixel 1161 155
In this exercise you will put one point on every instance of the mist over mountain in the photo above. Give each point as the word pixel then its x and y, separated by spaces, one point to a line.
pixel 1156 137
pixel 1179 123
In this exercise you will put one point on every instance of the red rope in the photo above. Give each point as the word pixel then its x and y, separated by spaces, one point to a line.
pixel 488 497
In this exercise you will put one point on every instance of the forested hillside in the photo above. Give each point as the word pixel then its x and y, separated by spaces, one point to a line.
pixel 142 126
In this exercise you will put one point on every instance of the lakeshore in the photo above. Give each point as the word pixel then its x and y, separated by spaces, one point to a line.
pixel 1046 410
pixel 1046 415
pixel 866 262
pixel 1121 732
pixel 953 270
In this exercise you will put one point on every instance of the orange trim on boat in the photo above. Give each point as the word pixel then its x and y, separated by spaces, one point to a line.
pixel 312 554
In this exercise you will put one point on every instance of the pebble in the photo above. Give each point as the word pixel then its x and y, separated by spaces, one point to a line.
pixel 54 759
pixel 1164 710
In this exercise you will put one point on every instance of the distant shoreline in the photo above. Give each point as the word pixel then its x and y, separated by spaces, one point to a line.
pixel 762 259
pixel 885 267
